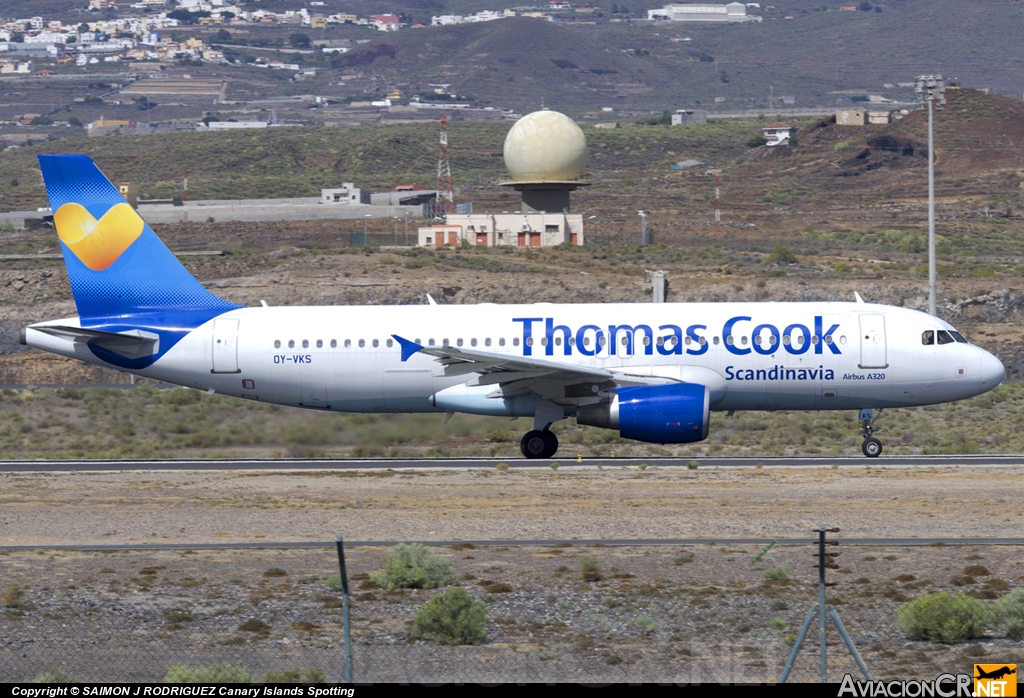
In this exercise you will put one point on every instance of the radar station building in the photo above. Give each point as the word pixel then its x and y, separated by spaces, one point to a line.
pixel 546 155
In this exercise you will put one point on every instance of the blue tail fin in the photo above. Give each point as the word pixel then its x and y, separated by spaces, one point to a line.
pixel 116 264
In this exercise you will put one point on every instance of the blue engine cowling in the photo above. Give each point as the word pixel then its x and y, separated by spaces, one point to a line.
pixel 664 414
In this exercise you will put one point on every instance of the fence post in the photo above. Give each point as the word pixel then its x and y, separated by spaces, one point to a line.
pixel 823 657
pixel 344 609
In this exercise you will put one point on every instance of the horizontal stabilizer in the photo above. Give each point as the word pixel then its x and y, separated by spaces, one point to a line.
pixel 133 344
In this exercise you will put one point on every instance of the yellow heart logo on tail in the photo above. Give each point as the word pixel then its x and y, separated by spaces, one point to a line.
pixel 97 243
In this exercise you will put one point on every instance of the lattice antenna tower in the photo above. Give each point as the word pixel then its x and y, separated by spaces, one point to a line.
pixel 445 194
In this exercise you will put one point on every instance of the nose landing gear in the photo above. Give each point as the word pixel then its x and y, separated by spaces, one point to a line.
pixel 539 443
pixel 871 447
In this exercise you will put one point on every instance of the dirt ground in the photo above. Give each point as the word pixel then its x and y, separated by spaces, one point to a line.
pixel 134 507
pixel 708 613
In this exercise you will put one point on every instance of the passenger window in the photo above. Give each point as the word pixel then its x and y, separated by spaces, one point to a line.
pixel 558 341
pixel 715 340
pixel 487 342
pixel 959 337
pixel 828 339
pixel 430 342
pixel 376 343
pixel 529 341
pixel 571 341
pixel 472 342
pixel 348 343
pixel 501 342
pixel 625 341
pixel 305 344
pixel 757 340
pixel 543 341
pixel 319 343
pixel 586 341
pixel 814 339
pixel 418 340
pixel 362 343
pixel 702 341
pixel 391 342
pixel 928 337
pixel 277 343
pixel 687 341
pixel 944 337
pixel 515 341
pixel 444 342
pixel 334 344
pixel 601 341
pixel 785 339
pixel 728 340
pixel 459 341
pixel 291 343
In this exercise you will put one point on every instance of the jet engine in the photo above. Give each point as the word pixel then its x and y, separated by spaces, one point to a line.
pixel 662 414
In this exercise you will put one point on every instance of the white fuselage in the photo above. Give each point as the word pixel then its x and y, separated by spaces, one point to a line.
pixel 794 356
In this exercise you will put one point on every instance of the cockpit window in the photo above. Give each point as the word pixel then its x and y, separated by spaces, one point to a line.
pixel 928 337
pixel 944 337
pixel 959 337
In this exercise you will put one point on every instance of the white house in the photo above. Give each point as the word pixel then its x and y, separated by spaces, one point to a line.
pixel 778 134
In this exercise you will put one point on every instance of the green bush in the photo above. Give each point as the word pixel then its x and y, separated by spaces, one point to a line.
pixel 1009 612
pixel 591 570
pixel 212 673
pixel 452 618
pixel 55 674
pixel 293 675
pixel 943 617
pixel 777 574
pixel 781 255
pixel 412 566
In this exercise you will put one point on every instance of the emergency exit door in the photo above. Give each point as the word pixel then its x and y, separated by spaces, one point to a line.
pixel 872 341
pixel 225 346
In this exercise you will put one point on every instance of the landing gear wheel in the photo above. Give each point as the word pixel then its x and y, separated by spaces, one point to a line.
pixel 872 447
pixel 538 444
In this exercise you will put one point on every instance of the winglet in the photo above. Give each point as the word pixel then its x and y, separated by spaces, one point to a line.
pixel 430 300
pixel 857 296
pixel 408 347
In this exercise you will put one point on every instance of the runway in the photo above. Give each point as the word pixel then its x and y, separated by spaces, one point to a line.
pixel 527 543
pixel 568 461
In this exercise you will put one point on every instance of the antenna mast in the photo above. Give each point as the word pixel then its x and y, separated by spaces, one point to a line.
pixel 445 201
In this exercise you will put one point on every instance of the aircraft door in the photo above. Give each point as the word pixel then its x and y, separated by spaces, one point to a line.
pixel 225 346
pixel 872 341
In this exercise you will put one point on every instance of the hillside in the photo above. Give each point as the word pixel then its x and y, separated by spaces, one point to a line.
pixel 803 49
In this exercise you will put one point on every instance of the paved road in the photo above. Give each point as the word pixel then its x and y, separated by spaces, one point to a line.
pixel 45 466
pixel 536 543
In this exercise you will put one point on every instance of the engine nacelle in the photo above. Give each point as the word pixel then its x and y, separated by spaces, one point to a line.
pixel 664 414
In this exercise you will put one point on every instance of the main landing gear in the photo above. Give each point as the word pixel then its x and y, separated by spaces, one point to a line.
pixel 539 443
pixel 871 447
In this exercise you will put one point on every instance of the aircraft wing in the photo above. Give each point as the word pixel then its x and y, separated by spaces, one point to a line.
pixel 133 344
pixel 516 375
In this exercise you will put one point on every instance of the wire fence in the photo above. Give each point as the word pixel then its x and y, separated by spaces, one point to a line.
pixel 698 614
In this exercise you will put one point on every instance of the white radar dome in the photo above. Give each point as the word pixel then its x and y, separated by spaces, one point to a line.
pixel 545 146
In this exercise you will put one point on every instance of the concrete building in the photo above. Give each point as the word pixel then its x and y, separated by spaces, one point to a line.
pixel 778 134
pixel 879 117
pixel 505 230
pixel 349 193
pixel 701 12
pixel 685 117
pixel 850 117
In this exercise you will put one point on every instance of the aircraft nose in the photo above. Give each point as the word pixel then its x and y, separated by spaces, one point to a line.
pixel 992 370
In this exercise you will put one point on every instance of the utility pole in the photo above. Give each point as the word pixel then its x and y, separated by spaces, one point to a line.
pixel 406 228
pixel 930 88
pixel 643 227
pixel 718 210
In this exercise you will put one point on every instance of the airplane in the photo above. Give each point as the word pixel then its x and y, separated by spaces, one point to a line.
pixel 653 372
pixel 995 673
